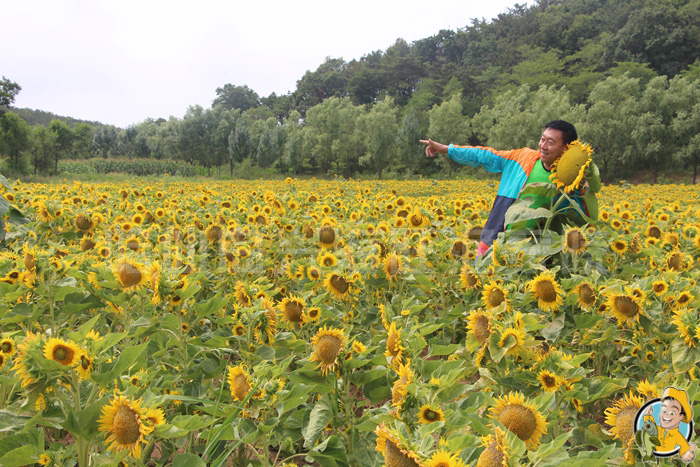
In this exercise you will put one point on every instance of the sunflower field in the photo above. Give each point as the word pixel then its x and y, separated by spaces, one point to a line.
pixel 335 323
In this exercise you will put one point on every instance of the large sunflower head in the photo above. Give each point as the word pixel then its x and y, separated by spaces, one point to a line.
pixel 626 307
pixel 394 349
pixel 575 241
pixel 122 421
pixel 568 171
pixel 520 417
pixel 393 264
pixel 239 382
pixel 396 454
pixel 7 347
pixel 546 289
pixel 130 274
pixel 337 285
pixel 66 353
pixel 292 309
pixel 587 297
pixel 620 417
pixel 496 453
pixel 468 277
pixel 494 295
pixel 479 324
pixel 327 345
pixel 326 236
pixel 429 414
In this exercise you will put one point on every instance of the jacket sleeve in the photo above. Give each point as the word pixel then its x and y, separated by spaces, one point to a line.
pixel 477 156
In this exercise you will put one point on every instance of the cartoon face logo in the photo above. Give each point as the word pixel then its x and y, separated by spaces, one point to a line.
pixel 663 427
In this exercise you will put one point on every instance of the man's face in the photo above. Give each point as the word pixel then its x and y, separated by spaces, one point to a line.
pixel 670 416
pixel 551 146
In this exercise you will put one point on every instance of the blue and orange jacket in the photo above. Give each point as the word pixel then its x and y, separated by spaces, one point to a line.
pixel 515 166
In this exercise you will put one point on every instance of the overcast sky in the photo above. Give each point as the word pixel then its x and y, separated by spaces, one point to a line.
pixel 123 61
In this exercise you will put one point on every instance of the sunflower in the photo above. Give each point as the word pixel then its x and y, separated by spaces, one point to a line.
pixel 468 278
pixel 514 339
pixel 313 273
pixel 7 347
pixel 568 171
pixel 619 246
pixel 292 309
pixel 239 329
pixel 654 231
pixel 84 366
pixel 479 324
pixel 620 417
pixel 154 417
pixel 660 287
pixel 546 289
pixel 624 306
pixel 394 349
pixel 442 458
pixel 326 236
pixel 496 453
pixel 675 261
pixel 683 299
pixel 494 295
pixel 327 260
pixel 399 388
pixel 688 325
pixel 521 418
pixel 428 414
pixel 66 353
pixel 239 382
pixel 587 297
pixel 241 294
pixel 394 451
pixel 314 313
pixel 392 266
pixel 327 345
pixel 122 421
pixel 337 285
pixel 130 274
pixel 214 234
pixel 549 381
pixel 575 241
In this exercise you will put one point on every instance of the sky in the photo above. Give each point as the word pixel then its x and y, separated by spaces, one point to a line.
pixel 122 62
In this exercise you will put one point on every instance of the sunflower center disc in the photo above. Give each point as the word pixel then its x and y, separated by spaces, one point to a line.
pixel 624 423
pixel 339 284
pixel 126 425
pixel 328 347
pixel 62 354
pixel 546 292
pixel 395 458
pixel 626 306
pixel 575 240
pixel 293 311
pixel 496 297
pixel 481 328
pixel 240 387
pixel 519 420
pixel 392 266
pixel 491 457
pixel 327 235
pixel 129 275
pixel 586 294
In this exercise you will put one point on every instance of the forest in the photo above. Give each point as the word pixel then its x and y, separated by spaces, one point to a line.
pixel 624 72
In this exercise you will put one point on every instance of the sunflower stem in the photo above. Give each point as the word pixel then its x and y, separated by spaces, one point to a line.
pixel 83 445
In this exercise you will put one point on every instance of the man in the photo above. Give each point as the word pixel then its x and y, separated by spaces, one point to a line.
pixel 675 408
pixel 519 167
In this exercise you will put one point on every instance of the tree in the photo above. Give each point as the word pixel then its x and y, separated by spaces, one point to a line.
pixel 43 144
pixel 449 125
pixel 609 120
pixel 294 146
pixel 14 138
pixel 408 141
pixel 8 92
pixel 83 140
pixel 64 140
pixel 240 144
pixel 105 140
pixel 378 131
pixel 331 127
pixel 236 97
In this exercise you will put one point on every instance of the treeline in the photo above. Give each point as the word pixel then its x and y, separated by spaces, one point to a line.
pixel 625 72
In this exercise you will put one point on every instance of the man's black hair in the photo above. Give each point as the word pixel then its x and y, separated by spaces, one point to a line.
pixel 568 130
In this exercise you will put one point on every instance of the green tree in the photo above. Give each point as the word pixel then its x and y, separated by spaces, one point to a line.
pixel 240 144
pixel 408 141
pixel 448 125
pixel 14 139
pixel 609 120
pixel 331 128
pixel 378 131
pixel 43 145
pixel 83 134
pixel 236 97
pixel 294 146
pixel 105 140
pixel 8 92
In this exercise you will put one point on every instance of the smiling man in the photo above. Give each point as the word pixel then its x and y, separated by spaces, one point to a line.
pixel 675 408
pixel 519 167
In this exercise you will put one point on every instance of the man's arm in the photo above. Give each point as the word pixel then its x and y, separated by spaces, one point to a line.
pixel 434 148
